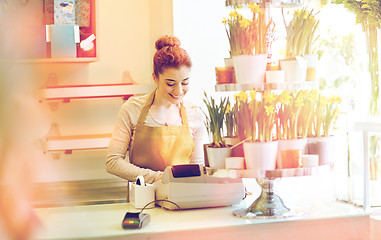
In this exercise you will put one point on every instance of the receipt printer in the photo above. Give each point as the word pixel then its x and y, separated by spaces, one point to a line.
pixel 189 187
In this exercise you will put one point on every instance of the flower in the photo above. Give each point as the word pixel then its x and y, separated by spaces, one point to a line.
pixel 247 35
pixel 255 117
pixel 301 33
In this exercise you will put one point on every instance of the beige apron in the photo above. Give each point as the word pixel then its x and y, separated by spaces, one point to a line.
pixel 158 147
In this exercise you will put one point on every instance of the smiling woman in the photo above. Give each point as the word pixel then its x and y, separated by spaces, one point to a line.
pixel 159 129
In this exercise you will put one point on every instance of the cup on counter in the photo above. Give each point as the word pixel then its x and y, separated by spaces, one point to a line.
pixel 291 158
pixel 310 160
pixel 234 163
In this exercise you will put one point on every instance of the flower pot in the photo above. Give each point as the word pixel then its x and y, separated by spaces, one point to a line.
pixel 260 155
pixel 290 144
pixel 311 61
pixel 250 68
pixel 322 146
pixel 275 76
pixel 217 156
pixel 295 70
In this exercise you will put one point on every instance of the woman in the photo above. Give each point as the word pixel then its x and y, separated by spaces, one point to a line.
pixel 159 129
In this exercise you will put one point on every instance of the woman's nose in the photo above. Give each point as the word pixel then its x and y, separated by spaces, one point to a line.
pixel 178 89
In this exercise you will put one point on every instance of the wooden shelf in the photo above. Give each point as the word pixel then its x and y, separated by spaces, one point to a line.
pixel 267 86
pixel 77 142
pixel 61 60
pixel 66 93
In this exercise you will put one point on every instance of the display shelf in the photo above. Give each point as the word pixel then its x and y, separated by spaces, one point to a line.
pixel 267 86
pixel 269 204
pixel 66 93
pixel 271 174
pixel 77 142
pixel 61 60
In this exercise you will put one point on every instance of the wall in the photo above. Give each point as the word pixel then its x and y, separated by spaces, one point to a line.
pixel 127 30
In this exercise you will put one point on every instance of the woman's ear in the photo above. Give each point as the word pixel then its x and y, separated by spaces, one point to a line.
pixel 156 79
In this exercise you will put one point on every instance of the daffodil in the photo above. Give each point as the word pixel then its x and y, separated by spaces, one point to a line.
pixel 233 14
pixel 269 109
pixel 244 23
pixel 242 96
pixel 247 35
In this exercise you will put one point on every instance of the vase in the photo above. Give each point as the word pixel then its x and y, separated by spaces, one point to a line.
pixel 322 146
pixel 295 70
pixel 250 68
pixel 311 62
pixel 290 144
pixel 260 155
pixel 217 156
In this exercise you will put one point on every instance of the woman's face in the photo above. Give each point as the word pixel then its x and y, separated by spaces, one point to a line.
pixel 173 84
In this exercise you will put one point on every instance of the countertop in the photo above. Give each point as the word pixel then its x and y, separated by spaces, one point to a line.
pixel 321 220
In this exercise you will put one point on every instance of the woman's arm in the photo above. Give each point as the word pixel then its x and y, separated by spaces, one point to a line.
pixel 117 161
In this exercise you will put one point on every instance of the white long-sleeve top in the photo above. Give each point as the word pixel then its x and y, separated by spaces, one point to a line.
pixel 117 161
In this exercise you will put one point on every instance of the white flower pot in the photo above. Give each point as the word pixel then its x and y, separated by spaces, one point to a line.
pixel 275 76
pixel 260 155
pixel 322 146
pixel 250 68
pixel 217 156
pixel 295 70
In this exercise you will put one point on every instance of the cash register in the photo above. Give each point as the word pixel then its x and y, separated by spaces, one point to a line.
pixel 189 186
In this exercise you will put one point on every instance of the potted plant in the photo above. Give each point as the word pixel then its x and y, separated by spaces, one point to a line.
pixel 300 37
pixel 257 116
pixel 247 38
pixel 320 140
pixel 291 145
pixel 217 151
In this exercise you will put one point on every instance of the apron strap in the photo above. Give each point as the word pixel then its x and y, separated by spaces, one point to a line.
pixel 183 113
pixel 146 107
pixel 145 110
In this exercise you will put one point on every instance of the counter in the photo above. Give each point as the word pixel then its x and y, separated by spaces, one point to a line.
pixel 321 220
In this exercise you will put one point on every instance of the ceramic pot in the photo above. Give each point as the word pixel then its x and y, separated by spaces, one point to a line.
pixel 217 156
pixel 250 68
pixel 295 70
pixel 260 155
pixel 322 146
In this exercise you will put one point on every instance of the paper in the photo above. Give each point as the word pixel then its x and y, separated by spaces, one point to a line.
pixel 63 41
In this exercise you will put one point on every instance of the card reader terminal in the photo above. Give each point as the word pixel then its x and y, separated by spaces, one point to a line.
pixel 135 220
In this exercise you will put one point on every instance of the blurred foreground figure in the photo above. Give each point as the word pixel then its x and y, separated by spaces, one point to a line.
pixel 20 121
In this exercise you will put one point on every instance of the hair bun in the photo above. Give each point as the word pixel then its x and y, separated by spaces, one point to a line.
pixel 167 41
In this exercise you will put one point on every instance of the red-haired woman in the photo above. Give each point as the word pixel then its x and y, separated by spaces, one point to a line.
pixel 159 129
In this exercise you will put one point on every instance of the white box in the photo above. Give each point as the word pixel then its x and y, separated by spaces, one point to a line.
pixel 141 195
